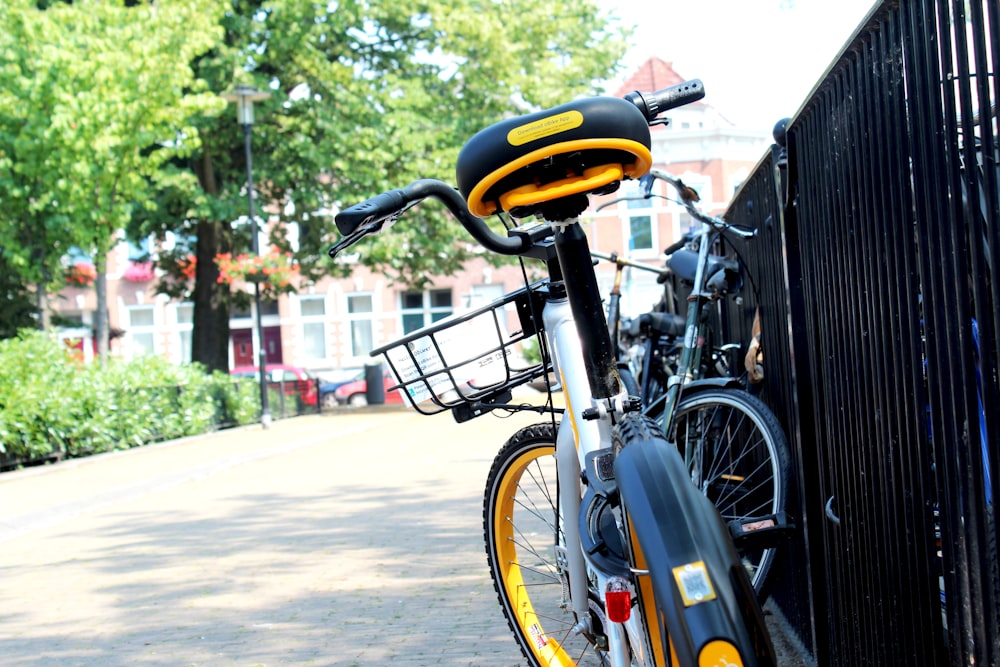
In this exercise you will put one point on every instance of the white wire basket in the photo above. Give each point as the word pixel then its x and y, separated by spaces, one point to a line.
pixel 472 357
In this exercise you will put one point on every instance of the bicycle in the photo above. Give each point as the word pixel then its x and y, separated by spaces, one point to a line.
pixel 600 548
pixel 733 445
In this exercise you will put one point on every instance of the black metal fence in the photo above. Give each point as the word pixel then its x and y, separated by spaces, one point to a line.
pixel 875 272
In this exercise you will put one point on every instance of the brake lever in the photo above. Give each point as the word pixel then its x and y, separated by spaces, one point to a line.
pixel 376 227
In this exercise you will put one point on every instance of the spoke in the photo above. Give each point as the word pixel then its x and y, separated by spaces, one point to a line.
pixel 533 509
pixel 524 540
pixel 752 486
pixel 541 483
pixel 548 574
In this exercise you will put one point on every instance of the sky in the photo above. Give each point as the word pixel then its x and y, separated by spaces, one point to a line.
pixel 758 59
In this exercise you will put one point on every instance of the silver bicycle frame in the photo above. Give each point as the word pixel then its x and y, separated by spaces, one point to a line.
pixel 577 437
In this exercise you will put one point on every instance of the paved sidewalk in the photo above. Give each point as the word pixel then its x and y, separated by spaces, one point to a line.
pixel 341 539
pixel 348 539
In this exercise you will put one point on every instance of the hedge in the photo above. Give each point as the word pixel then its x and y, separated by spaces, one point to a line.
pixel 54 406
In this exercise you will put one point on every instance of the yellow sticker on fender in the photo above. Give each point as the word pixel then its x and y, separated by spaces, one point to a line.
pixel 694 583
pixel 545 127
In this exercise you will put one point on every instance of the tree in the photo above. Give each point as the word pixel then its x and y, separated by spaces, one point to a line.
pixel 116 93
pixel 366 96
pixel 35 174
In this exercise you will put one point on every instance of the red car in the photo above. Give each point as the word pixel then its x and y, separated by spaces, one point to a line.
pixel 355 393
pixel 297 381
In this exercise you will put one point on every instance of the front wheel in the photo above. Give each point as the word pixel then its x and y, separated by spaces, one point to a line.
pixel 523 545
pixel 737 455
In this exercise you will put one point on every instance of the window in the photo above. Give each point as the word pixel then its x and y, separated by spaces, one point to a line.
pixel 359 313
pixel 687 225
pixel 268 307
pixel 420 309
pixel 141 329
pixel 185 324
pixel 240 312
pixel 640 229
pixel 482 295
pixel 639 226
pixel 313 312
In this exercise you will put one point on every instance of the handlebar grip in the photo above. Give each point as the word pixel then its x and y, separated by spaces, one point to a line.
pixel 372 211
pixel 653 104
pixel 674 247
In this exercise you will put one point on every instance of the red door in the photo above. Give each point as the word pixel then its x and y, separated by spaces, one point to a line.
pixel 242 347
pixel 243 352
pixel 272 344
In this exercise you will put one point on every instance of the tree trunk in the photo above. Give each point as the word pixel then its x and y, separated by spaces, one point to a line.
pixel 42 306
pixel 102 334
pixel 210 334
pixel 210 327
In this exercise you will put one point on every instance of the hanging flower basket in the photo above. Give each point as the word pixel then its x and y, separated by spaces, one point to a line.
pixel 139 272
pixel 273 271
pixel 188 265
pixel 81 274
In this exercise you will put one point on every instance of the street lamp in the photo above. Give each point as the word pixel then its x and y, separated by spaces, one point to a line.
pixel 244 96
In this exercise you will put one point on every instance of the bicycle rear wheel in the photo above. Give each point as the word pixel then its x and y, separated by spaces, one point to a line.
pixel 737 454
pixel 523 543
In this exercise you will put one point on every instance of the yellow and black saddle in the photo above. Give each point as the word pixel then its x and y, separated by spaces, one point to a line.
pixel 546 163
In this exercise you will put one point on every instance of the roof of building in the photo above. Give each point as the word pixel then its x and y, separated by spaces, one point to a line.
pixel 654 74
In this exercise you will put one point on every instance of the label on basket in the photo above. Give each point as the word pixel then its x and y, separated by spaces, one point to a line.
pixel 452 361
pixel 411 363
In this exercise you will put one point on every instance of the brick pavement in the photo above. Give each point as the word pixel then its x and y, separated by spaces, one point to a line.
pixel 352 539
pixel 341 539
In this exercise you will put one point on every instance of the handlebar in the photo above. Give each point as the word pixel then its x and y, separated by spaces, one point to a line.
pixel 653 104
pixel 688 198
pixel 381 211
pixel 677 245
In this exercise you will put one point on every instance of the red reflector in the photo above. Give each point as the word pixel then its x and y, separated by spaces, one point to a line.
pixel 618 605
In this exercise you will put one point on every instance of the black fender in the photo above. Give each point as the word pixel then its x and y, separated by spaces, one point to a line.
pixel 678 529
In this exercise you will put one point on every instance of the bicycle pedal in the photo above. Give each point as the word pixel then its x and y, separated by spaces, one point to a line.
pixel 762 532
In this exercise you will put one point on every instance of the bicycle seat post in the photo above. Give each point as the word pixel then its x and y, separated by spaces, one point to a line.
pixel 584 295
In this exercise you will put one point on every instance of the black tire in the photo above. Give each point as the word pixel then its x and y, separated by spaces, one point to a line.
pixel 520 521
pixel 737 455
pixel 629 383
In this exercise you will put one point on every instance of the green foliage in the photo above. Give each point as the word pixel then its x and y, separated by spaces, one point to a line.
pixel 52 404
pixel 531 352
pixel 365 97
pixel 94 97
pixel 110 118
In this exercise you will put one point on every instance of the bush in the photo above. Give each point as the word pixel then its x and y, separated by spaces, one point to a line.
pixel 52 405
